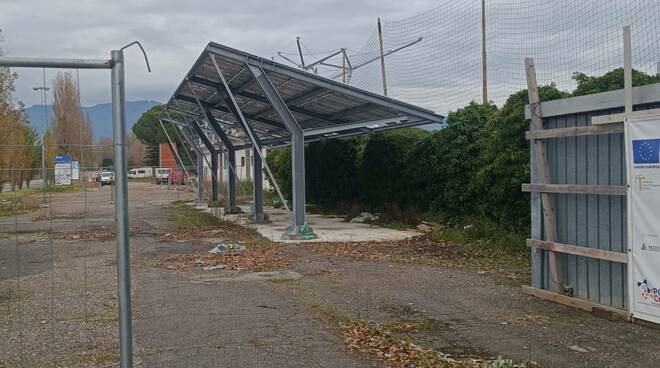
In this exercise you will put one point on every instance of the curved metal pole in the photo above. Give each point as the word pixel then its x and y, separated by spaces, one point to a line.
pixel 121 211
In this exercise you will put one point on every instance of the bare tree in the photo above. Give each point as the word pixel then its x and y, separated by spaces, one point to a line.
pixel 137 151
pixel 71 128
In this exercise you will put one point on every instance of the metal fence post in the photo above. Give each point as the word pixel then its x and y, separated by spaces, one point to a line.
pixel 121 211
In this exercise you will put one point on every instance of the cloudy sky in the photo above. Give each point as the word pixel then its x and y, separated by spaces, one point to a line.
pixel 175 32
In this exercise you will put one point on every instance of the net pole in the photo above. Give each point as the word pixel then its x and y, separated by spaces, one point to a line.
pixel 382 57
pixel 484 65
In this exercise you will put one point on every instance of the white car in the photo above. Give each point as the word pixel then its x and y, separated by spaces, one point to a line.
pixel 162 175
pixel 107 178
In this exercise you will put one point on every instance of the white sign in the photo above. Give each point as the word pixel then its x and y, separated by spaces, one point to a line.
pixel 75 166
pixel 63 173
pixel 643 163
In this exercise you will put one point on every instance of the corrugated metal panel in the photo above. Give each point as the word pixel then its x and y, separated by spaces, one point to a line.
pixel 594 221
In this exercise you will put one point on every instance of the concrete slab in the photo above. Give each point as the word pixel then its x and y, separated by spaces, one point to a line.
pixel 327 228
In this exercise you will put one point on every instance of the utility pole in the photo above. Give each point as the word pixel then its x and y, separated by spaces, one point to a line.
pixel 42 95
pixel 484 66
pixel 382 57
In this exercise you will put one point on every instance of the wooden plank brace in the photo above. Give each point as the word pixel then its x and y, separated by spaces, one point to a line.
pixel 547 203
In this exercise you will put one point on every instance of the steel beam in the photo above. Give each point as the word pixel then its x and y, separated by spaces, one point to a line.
pixel 214 156
pixel 268 122
pixel 231 205
pixel 200 159
pixel 56 63
pixel 225 93
pixel 298 227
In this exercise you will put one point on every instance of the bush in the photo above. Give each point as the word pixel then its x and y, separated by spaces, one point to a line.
pixel 331 173
pixel 383 175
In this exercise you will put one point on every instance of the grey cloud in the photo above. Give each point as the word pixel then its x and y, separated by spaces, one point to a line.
pixel 174 32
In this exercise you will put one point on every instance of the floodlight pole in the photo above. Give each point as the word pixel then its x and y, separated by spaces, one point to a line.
pixel 382 57
pixel 484 66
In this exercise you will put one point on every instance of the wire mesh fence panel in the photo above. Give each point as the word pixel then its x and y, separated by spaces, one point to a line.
pixel 56 272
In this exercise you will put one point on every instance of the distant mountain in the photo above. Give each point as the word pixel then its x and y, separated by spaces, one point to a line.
pixel 100 115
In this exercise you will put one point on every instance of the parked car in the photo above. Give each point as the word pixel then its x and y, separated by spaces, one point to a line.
pixel 140 172
pixel 162 174
pixel 107 178
pixel 178 177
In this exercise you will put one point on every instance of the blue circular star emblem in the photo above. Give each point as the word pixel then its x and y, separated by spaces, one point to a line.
pixel 645 152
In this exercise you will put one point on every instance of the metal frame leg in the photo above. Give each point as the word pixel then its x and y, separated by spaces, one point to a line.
pixel 298 229
pixel 258 215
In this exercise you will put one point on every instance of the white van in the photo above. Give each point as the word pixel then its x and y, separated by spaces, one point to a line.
pixel 162 174
pixel 141 172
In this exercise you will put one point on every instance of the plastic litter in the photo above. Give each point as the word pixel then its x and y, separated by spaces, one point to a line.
pixel 501 363
pixel 227 248
pixel 364 217
pixel 216 267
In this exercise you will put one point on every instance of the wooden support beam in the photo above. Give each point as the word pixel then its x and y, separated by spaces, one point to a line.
pixel 585 305
pixel 617 190
pixel 619 118
pixel 575 131
pixel 579 251
pixel 547 204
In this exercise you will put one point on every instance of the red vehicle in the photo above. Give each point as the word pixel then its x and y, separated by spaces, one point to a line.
pixel 178 177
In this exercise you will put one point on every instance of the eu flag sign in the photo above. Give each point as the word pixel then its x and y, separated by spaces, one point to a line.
pixel 646 151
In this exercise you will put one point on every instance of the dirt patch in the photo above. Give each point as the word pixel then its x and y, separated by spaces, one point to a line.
pixel 86 235
pixel 423 250
pixel 391 343
pixel 264 258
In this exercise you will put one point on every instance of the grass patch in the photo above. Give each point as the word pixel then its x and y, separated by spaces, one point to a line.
pixel 18 202
pixel 189 218
pixel 28 199
pixel 192 223
pixel 482 235
pixel 140 180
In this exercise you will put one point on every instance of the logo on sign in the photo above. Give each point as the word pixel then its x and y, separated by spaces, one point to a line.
pixel 649 294
pixel 650 247
pixel 646 151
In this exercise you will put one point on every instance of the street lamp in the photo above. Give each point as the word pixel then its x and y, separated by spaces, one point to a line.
pixel 43 89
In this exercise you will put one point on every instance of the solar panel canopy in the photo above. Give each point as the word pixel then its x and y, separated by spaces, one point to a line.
pixel 323 108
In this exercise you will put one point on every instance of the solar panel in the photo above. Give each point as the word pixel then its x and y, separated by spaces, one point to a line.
pixel 321 107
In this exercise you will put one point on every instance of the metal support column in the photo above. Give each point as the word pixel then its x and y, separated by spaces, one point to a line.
pixel 214 156
pixel 298 228
pixel 257 214
pixel 200 160
pixel 231 206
